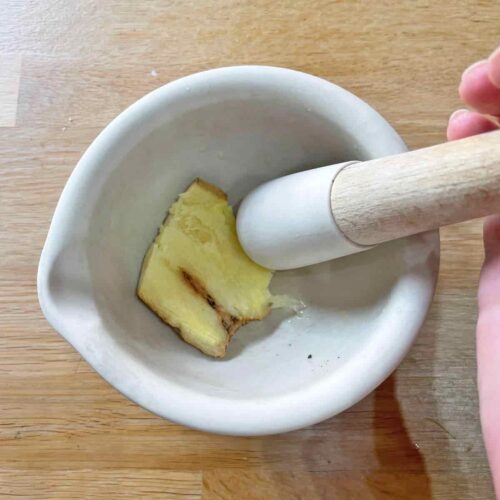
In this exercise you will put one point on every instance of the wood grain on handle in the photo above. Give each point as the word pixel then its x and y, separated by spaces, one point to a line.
pixel 388 198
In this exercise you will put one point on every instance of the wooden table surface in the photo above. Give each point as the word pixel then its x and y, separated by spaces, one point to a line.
pixel 66 69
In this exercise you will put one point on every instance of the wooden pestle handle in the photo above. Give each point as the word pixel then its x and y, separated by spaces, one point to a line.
pixel 388 198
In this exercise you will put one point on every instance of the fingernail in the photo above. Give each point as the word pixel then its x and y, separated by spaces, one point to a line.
pixel 457 113
pixel 494 67
pixel 495 54
pixel 474 66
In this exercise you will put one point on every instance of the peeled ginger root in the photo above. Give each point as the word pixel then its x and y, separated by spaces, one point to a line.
pixel 197 278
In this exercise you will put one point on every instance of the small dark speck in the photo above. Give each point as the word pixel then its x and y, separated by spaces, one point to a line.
pixel 310 356
pixel 338 357
pixel 289 345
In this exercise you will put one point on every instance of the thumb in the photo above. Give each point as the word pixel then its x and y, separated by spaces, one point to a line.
pixel 489 283
pixel 488 345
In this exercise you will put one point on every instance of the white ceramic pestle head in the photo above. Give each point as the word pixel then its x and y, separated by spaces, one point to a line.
pixel 288 223
pixel 295 221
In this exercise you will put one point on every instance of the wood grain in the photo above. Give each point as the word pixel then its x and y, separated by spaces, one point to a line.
pixel 10 72
pixel 388 198
pixel 226 485
pixel 124 483
pixel 63 430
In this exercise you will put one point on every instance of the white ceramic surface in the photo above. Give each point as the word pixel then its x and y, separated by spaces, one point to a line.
pixel 235 127
pixel 287 223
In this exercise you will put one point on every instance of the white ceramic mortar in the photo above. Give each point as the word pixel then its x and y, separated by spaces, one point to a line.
pixel 235 127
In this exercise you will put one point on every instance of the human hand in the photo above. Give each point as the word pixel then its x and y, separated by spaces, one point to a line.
pixel 480 89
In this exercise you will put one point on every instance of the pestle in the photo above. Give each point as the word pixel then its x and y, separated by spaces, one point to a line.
pixel 333 211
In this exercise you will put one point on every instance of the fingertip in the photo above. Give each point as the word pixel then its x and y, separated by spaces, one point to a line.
pixel 473 67
pixel 477 90
pixel 464 123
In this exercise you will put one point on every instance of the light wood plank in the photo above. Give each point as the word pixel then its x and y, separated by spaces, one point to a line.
pixel 10 74
pixel 62 428
pixel 95 484
pixel 226 485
